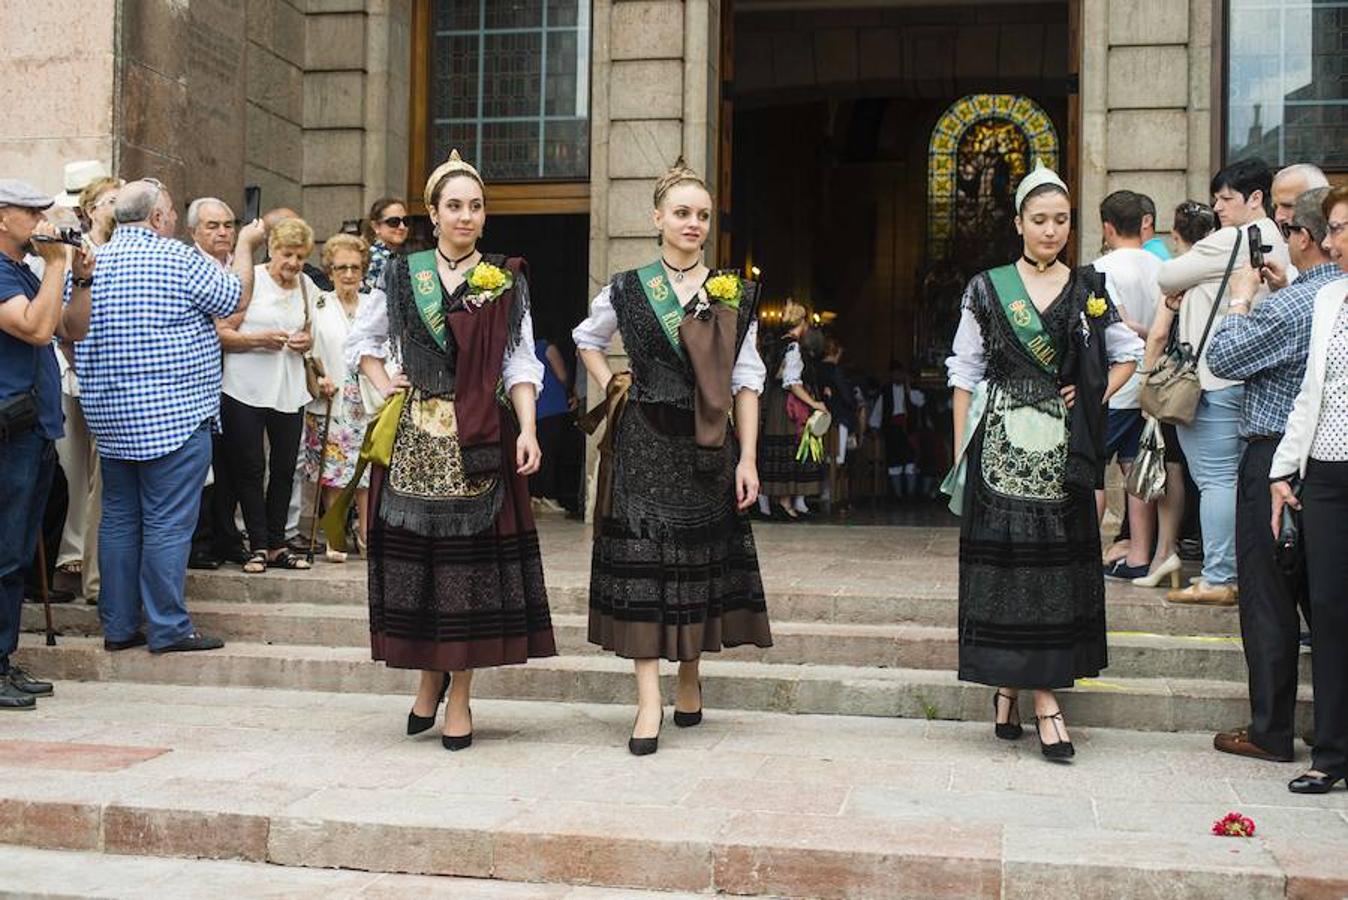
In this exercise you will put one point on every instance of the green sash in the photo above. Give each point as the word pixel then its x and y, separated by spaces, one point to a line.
pixel 427 293
pixel 1024 318
pixel 664 302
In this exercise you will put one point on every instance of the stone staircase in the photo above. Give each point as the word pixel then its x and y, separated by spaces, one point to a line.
pixel 863 621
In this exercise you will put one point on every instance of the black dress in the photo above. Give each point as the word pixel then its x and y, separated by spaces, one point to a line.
pixel 1031 589
pixel 675 570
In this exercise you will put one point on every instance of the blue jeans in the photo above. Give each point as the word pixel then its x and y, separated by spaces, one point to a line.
pixel 1212 447
pixel 150 510
pixel 27 464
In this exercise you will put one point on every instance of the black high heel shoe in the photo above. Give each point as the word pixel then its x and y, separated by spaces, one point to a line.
pixel 1313 784
pixel 646 746
pixel 417 724
pixel 1010 730
pixel 1060 751
pixel 689 719
pixel 456 742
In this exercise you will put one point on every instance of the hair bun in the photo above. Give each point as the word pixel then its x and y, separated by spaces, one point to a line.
pixel 677 174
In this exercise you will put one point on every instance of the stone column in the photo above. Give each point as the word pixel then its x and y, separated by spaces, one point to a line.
pixel 1145 111
pixel 61 69
pixel 655 90
pixel 275 147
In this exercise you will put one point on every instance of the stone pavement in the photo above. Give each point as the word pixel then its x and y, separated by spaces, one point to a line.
pixel 286 747
pixel 749 803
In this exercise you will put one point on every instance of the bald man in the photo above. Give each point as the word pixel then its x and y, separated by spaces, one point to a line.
pixel 1289 184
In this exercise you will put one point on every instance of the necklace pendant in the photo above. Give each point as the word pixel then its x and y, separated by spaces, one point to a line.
pixel 678 276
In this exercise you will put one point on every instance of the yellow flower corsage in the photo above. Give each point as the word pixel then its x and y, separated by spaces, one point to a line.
pixel 726 288
pixel 1096 306
pixel 487 282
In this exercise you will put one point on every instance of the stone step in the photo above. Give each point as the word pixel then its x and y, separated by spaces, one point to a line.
pixel 749 803
pixel 1132 654
pixel 32 872
pixel 1149 704
pixel 923 600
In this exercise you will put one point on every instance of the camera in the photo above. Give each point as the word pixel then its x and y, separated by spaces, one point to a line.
pixel 72 236
pixel 1257 247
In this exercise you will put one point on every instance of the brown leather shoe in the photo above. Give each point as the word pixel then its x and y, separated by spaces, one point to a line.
pixel 1239 743
pixel 1203 594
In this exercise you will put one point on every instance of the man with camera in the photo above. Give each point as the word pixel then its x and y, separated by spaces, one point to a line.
pixel 149 373
pixel 1266 348
pixel 31 313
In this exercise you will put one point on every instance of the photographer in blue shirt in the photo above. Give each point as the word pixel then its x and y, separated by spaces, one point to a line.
pixel 31 313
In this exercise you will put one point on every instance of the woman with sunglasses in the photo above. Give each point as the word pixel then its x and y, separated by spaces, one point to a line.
pixel 386 232
pixel 335 422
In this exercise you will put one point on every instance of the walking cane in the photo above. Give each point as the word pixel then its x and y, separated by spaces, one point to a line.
pixel 42 588
pixel 318 488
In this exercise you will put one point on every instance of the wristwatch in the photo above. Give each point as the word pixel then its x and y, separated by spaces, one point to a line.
pixel 82 282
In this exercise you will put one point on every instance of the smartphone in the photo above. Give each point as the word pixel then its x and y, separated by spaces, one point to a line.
pixel 252 202
pixel 1256 239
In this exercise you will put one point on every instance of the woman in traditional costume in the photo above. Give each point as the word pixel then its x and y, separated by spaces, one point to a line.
pixel 787 478
pixel 456 578
pixel 1040 347
pixel 675 572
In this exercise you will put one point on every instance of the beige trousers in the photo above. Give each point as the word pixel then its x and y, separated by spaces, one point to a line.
pixel 79 461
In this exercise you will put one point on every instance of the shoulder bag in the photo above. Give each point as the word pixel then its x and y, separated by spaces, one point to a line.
pixel 1146 479
pixel 313 366
pixel 18 414
pixel 1171 391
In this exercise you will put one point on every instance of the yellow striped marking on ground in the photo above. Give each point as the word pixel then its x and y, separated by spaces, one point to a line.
pixel 1196 638
pixel 1096 684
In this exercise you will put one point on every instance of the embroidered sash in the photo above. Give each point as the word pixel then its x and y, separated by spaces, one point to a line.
pixel 664 302
pixel 1024 318
pixel 427 294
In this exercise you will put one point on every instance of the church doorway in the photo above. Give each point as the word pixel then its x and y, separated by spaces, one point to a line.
pixel 873 150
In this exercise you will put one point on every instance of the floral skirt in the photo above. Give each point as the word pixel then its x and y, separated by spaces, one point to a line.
pixel 346 431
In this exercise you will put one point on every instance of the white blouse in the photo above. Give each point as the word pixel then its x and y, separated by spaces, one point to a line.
pixel 597 331
pixel 968 364
pixel 331 325
pixel 270 379
pixel 369 337
pixel 1331 432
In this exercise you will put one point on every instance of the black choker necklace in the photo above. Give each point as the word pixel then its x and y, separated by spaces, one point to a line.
pixel 1040 267
pixel 454 263
pixel 679 273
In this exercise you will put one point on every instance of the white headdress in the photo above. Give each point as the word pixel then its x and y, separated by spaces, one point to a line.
pixel 1041 176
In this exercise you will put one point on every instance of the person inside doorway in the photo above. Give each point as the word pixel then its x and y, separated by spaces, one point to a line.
pixel 894 416
pixel 789 399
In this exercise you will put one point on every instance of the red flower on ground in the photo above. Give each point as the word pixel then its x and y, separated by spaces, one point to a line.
pixel 1234 825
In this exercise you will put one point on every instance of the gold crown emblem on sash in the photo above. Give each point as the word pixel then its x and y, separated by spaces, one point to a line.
pixel 425 281
pixel 658 288
pixel 1020 313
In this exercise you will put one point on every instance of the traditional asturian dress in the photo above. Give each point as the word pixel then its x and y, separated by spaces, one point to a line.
pixel 780 473
pixel 674 571
pixel 456 577
pixel 1031 588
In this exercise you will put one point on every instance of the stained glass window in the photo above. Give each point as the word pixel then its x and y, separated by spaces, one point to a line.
pixel 510 87
pixel 980 150
pixel 1287 81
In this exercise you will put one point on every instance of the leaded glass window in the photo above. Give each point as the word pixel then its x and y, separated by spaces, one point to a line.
pixel 1287 81
pixel 510 87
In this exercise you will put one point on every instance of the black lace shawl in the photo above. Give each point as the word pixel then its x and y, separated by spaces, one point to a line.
pixel 659 373
pixel 431 369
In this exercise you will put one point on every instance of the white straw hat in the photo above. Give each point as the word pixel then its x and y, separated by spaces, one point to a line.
pixel 78 176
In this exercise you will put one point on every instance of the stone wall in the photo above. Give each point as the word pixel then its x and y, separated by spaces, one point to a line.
pixel 1146 101
pixel 59 70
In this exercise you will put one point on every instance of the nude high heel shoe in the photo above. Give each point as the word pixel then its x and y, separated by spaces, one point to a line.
pixel 1170 567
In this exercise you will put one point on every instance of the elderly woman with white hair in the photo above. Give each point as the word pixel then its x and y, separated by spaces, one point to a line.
pixel 335 421
pixel 265 393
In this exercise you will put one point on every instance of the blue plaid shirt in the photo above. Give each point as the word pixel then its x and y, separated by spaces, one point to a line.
pixel 150 368
pixel 1267 350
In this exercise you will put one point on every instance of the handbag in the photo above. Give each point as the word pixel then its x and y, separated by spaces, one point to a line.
pixel 18 414
pixel 1171 391
pixel 1146 480
pixel 313 366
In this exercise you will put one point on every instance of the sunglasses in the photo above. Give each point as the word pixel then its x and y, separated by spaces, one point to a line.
pixel 395 221
pixel 1288 227
pixel 348 267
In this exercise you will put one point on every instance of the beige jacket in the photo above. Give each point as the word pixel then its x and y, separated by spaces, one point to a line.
pixel 1198 275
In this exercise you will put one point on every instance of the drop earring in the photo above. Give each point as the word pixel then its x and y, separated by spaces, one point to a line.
pixel 436 229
